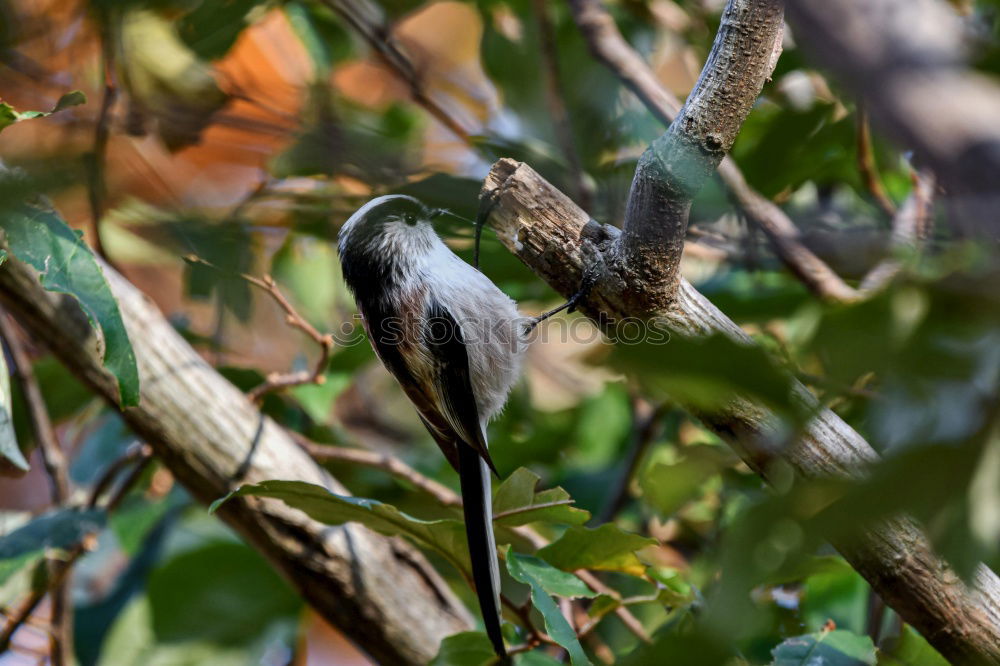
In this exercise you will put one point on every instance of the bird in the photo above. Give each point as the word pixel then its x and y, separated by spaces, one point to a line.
pixel 455 343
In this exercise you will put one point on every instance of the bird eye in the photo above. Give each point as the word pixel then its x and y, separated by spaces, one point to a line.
pixel 410 219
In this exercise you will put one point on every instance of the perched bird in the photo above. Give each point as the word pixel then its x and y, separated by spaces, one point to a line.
pixel 454 342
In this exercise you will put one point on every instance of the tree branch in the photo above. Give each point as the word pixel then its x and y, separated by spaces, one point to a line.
pixel 213 439
pixel 678 163
pixel 607 45
pixel 907 60
pixel 550 234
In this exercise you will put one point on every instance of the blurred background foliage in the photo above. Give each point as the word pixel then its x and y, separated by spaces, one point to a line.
pixel 243 133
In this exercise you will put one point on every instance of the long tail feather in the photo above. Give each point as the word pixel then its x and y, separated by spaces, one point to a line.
pixel 474 474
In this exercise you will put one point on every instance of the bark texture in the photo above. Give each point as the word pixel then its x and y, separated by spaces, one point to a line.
pixel 553 237
pixel 380 592
pixel 678 163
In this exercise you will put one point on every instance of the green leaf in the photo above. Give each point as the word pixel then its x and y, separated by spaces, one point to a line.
pixel 469 648
pixel 552 580
pixel 8 439
pixel 42 239
pixel 57 529
pixel 9 115
pixel 555 624
pixel 446 537
pixel 910 649
pixel 517 502
pixel 830 648
pixel 706 372
pixel 669 486
pixel 229 583
pixel 607 548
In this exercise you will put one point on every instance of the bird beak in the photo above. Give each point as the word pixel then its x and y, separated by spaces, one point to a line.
pixel 436 212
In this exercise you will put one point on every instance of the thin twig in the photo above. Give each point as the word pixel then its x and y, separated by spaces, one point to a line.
pixel 623 613
pixel 561 122
pixel 867 166
pixel 277 380
pixel 102 132
pixel 323 453
pixel 380 41
pixel 61 569
pixel 61 634
pixel 38 414
pixel 908 227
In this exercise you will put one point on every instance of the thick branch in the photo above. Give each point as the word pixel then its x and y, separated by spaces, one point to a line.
pixel 608 45
pixel 676 165
pixel 550 234
pixel 906 59
pixel 212 438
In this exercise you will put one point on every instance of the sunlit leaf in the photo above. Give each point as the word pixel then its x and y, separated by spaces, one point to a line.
pixel 518 502
pixel 41 238
pixel 607 548
pixel 446 537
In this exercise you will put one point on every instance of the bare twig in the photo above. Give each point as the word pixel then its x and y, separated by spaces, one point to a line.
pixel 329 453
pixel 102 132
pixel 61 634
pixel 908 226
pixel 867 166
pixel 561 122
pixel 61 569
pixel 38 413
pixel 276 380
pixel 380 40
pixel 623 613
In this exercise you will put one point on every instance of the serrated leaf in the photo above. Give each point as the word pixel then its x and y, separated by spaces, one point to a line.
pixel 555 624
pixel 446 537
pixel 57 529
pixel 829 648
pixel 8 439
pixel 469 648
pixel 9 115
pixel 606 548
pixel 552 580
pixel 41 238
pixel 517 502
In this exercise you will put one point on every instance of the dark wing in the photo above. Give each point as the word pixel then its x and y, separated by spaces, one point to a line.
pixel 451 378
pixel 388 340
